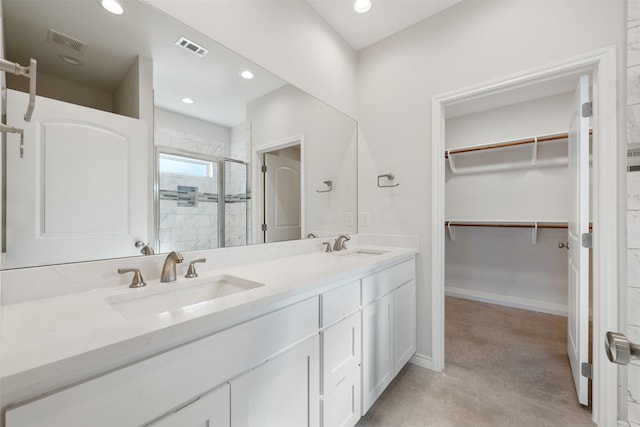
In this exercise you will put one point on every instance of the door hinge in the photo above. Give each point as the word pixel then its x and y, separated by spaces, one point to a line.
pixel 264 168
pixel 264 227
pixel 587 240
pixel 587 370
pixel 587 109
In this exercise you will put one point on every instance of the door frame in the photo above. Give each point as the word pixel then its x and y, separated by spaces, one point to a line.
pixel 257 182
pixel 607 161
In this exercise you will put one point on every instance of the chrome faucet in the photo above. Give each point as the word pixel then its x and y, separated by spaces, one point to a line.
pixel 169 268
pixel 341 243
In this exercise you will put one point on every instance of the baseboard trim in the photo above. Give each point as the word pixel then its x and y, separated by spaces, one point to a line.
pixel 422 361
pixel 509 301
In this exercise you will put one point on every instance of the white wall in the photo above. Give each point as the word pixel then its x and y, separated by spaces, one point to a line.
pixel 469 43
pixel 63 90
pixel 330 152
pixel 287 38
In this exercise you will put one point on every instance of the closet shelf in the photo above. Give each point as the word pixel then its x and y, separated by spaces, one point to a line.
pixel 533 225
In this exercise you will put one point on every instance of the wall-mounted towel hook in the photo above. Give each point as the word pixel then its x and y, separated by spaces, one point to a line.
pixel 390 177
pixel 329 185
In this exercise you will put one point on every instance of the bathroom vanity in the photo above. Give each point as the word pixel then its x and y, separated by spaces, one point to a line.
pixel 300 340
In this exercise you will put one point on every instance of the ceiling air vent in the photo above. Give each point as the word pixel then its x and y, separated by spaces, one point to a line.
pixel 58 38
pixel 192 47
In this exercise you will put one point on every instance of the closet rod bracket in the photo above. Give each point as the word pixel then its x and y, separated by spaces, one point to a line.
pixel 452 231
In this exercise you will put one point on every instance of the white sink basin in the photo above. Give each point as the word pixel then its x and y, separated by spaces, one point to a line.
pixel 361 253
pixel 187 295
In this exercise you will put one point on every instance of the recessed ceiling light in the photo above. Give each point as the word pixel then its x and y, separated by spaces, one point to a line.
pixel 70 60
pixel 362 6
pixel 246 74
pixel 112 6
pixel 187 100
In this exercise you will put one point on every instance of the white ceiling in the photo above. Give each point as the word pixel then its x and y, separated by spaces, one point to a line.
pixel 385 17
pixel 113 44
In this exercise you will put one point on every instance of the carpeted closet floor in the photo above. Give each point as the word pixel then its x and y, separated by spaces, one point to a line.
pixel 503 367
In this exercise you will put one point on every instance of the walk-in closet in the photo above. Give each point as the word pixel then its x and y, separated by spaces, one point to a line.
pixel 510 199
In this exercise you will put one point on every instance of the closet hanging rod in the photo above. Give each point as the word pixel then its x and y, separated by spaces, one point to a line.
pixel 504 224
pixel 544 138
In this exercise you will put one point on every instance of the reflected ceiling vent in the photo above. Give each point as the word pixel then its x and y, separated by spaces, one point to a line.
pixel 58 38
pixel 192 47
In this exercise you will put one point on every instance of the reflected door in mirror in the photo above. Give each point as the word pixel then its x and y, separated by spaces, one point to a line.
pixel 80 192
pixel 282 198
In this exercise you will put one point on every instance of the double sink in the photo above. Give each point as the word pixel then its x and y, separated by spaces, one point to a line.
pixel 191 294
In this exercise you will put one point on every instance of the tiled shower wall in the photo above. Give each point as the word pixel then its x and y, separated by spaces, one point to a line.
pixel 633 207
pixel 191 228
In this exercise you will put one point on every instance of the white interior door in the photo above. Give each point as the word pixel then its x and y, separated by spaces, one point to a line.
pixel 578 319
pixel 81 190
pixel 282 198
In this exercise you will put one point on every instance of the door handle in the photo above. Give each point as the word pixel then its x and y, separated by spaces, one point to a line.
pixel 619 349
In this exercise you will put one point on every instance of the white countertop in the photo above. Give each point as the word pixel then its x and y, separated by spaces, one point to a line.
pixel 47 342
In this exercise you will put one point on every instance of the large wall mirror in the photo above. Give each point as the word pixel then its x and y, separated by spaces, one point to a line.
pixel 148 136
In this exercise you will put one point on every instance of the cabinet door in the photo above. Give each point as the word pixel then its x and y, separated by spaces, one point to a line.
pixel 210 410
pixel 377 349
pixel 404 324
pixel 283 392
pixel 341 408
pixel 341 347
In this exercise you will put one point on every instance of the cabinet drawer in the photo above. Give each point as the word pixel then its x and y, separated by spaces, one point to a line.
pixel 338 303
pixel 341 351
pixel 341 408
pixel 385 281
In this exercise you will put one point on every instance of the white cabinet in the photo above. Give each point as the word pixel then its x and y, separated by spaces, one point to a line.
pixel 283 392
pixel 210 410
pixel 404 324
pixel 320 361
pixel 388 328
pixel 341 351
pixel 341 407
pixel 341 355
pixel 377 349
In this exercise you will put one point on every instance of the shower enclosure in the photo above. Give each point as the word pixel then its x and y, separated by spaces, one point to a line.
pixel 202 202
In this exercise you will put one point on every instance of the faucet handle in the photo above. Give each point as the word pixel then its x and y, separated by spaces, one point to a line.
pixel 327 246
pixel 191 271
pixel 137 281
